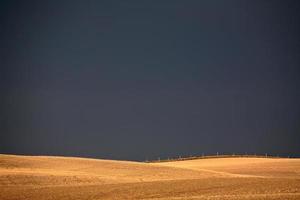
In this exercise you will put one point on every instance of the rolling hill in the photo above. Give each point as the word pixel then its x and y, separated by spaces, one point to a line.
pixel 47 177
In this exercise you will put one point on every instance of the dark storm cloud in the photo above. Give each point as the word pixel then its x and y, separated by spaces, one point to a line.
pixel 136 80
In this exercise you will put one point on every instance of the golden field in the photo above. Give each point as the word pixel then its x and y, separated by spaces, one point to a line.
pixel 47 177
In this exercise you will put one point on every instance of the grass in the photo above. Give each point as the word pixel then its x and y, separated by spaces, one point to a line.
pixel 222 177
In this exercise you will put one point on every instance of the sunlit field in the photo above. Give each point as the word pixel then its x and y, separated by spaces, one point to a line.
pixel 43 177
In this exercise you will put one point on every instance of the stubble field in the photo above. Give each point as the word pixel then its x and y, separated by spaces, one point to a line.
pixel 46 177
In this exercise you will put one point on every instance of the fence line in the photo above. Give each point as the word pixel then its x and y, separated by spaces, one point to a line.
pixel 202 156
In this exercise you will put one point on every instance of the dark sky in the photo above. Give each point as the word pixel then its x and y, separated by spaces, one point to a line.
pixel 142 79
